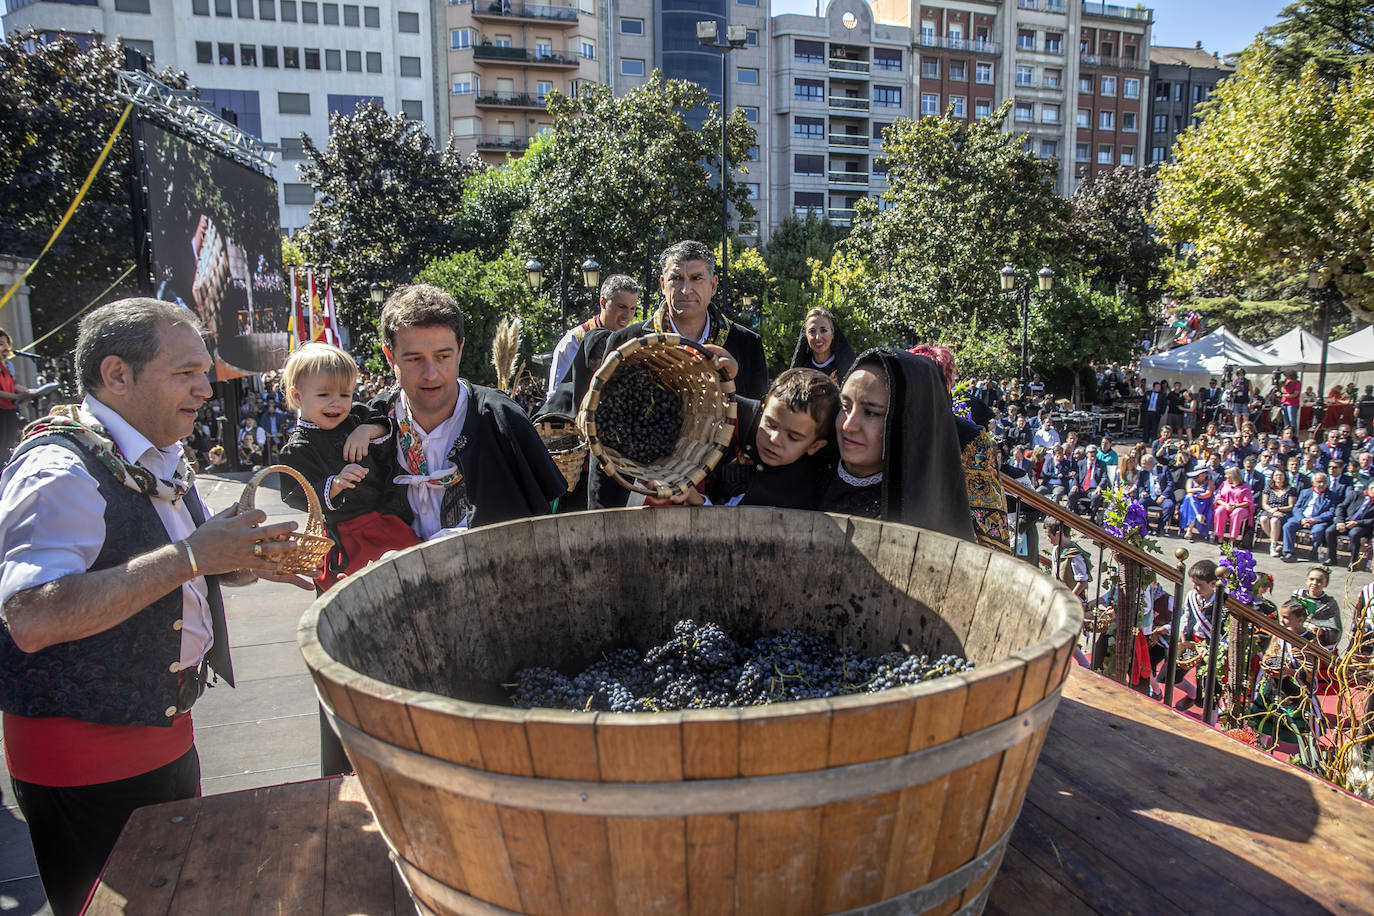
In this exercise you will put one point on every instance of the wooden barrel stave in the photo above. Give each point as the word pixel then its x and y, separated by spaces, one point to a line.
pixel 774 861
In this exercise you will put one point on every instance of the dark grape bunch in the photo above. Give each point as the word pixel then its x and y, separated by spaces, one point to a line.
pixel 638 415
pixel 702 667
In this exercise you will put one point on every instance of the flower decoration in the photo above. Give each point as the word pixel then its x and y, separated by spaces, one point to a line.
pixel 1237 569
pixel 1125 518
pixel 960 397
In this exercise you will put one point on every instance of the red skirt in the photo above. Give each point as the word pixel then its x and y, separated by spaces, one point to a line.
pixel 364 539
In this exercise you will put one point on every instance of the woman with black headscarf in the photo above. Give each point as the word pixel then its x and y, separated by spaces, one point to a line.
pixel 822 346
pixel 899 446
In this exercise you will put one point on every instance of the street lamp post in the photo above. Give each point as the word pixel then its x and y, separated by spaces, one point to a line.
pixel 534 277
pixel 1046 280
pixel 376 293
pixel 1316 286
pixel 708 34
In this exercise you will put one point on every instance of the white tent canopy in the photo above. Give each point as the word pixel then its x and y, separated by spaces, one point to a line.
pixel 1303 351
pixel 1205 359
pixel 1361 343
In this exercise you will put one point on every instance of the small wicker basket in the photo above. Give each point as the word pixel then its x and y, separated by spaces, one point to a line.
pixel 708 414
pixel 1190 656
pixel 1099 620
pixel 566 444
pixel 311 544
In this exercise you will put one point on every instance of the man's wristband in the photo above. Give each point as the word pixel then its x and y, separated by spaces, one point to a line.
pixel 191 556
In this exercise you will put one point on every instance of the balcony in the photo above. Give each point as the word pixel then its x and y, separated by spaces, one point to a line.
pixel 976 45
pixel 501 143
pixel 1116 12
pixel 844 103
pixel 849 69
pixel 848 179
pixel 1119 63
pixel 518 55
pixel 509 100
pixel 515 11
pixel 849 141
pixel 840 216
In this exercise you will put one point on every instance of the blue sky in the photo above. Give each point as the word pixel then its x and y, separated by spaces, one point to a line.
pixel 1221 25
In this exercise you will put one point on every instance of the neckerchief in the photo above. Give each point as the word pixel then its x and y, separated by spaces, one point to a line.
pixel 412 447
pixel 78 424
pixel 720 325
pixel 591 324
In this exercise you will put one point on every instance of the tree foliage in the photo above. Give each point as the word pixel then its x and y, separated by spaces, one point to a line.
pixel 1280 172
pixel 628 176
pixel 57 109
pixel 387 202
pixel 1331 34
pixel 493 196
pixel 1111 235
pixel 1076 323
pixel 796 242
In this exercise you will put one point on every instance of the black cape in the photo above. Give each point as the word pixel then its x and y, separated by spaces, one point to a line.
pixel 507 471
pixel 839 348
pixel 923 472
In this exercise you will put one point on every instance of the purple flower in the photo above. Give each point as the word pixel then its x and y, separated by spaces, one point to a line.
pixel 1135 516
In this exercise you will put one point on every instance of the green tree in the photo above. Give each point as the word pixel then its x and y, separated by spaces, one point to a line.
pixel 493 196
pixel 964 199
pixel 1280 172
pixel 1112 239
pixel 629 176
pixel 1102 324
pixel 57 109
pixel 387 202
pixel 1332 34
pixel 795 242
pixel 488 291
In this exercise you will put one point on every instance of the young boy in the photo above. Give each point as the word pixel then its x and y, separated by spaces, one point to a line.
pixel 1285 677
pixel 1197 619
pixel 782 445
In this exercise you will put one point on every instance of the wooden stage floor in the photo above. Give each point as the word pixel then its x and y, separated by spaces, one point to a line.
pixel 1133 808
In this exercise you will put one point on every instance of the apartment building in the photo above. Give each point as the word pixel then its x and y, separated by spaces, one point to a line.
pixel 838 80
pixel 280 66
pixel 503 58
pixel 1085 109
pixel 1183 78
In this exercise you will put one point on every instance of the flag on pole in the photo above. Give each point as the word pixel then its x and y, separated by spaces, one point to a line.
pixel 293 320
pixel 331 317
pixel 316 316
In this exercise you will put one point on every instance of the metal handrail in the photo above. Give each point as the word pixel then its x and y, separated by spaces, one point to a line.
pixel 1161 568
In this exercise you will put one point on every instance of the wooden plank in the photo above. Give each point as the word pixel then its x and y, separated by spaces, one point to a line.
pixel 358 873
pixel 1023 887
pixel 292 850
pixel 142 872
pixel 225 849
pixel 710 750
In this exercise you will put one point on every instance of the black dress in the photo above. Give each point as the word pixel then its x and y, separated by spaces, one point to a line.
pixel 841 356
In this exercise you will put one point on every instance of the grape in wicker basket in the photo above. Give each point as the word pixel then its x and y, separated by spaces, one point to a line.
pixel 638 415
pixel 701 666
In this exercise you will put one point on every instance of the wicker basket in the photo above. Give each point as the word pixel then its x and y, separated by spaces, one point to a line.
pixel 1187 662
pixel 708 414
pixel 311 544
pixel 557 430
pixel 1100 620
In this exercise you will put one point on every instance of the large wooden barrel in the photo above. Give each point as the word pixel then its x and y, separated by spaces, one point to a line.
pixel 896 802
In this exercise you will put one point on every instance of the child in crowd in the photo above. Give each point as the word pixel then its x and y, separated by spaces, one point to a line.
pixel 1197 619
pixel 782 447
pixel 364 514
pixel 1285 678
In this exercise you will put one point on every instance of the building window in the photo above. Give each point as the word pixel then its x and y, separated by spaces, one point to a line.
pixel 1106 48
pixel 312 58
pixel 123 6
pixel 930 103
pixel 374 61
pixel 1025 40
pixel 463 84
pixel 295 194
pixel 1080 152
pixel 1161 124
pixel 293 103
pixel 808 128
pixel 353 61
pixel 958 71
pixel 751 114
pixel 1130 88
pixel 1178 92
pixel 465 127
pixel 410 66
pixel 459 39
pixel 1199 94
pixel 1104 154
pixel 226 54
pixel 1083 119
pixel 1109 86
pixel 1054 42
pixel 631 26
pixel 1128 122
pixel 886 59
pixel 957 106
pixel 1156 154
pixel 1026 4
pixel 1106 120
pixel 588 49
pixel 1049 149
pixel 631 67
pixel 288 10
pixel 200 7
pixel 310 13
pixel 372 18
pixel 982 109
pixel 1161 92
pixel 405 22
pixel 269 55
pixel 1128 155
pixel 333 60
pixel 808 52
pixel 350 16
pixel 248 55
pixel 1049 114
pixel 267 9
pixel 1050 78
pixel 927 33
pixel 749 76
pixel 205 54
pixel 808 90
pixel 224 9
pixel 887 97
pixel 1085 85
pixel 413 109
pixel 292 149
pixel 1025 76
pixel 543 48
pixel 930 67
pixel 502 41
pixel 751 37
pixel 805 202
pixel 1025 112
pixel 748 2
pixel 331 15
pixel 982 73
pixel 291 58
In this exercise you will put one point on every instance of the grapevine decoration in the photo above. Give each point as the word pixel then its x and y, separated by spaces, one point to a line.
pixel 702 667
pixel 1237 569
pixel 639 416
pixel 1126 518
pixel 960 397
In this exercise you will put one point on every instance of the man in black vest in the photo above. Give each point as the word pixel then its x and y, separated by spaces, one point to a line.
pixel 109 592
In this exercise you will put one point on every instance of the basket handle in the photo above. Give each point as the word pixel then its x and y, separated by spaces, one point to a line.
pixel 314 522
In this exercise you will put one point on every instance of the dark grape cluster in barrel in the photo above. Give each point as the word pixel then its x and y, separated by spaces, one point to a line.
pixel 638 415
pixel 702 667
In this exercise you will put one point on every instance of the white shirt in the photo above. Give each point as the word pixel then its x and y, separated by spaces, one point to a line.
pixel 705 329
pixel 52 521
pixel 563 356
pixel 425 497
pixel 1046 436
